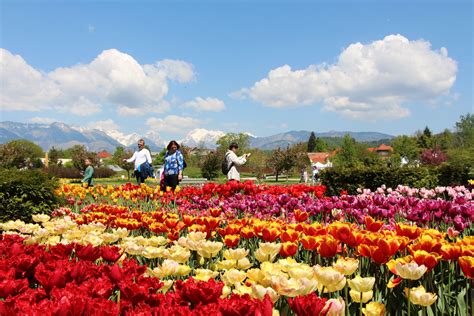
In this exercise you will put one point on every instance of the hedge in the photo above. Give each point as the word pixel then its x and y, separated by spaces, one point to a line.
pixel 350 179
pixel 74 173
pixel 26 192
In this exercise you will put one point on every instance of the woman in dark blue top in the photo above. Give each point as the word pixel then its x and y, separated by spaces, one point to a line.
pixel 173 166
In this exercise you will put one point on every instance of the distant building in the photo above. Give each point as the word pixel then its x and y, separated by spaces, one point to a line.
pixel 321 160
pixel 382 150
pixel 104 155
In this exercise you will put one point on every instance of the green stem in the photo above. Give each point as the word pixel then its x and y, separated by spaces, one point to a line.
pixel 347 300
pixel 409 303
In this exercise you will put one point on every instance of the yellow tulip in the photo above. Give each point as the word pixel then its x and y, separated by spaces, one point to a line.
pixel 362 284
pixel 226 264
pixel 410 271
pixel 346 266
pixel 327 276
pixel 235 254
pixel 419 296
pixel 374 309
pixel 233 277
pixel 209 249
pixel 205 274
pixel 361 297
pixel 335 307
pixel 259 292
pixel 40 218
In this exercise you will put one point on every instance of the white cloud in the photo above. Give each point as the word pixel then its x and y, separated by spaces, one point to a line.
pixel 42 120
pixel 112 79
pixel 367 81
pixel 207 104
pixel 105 125
pixel 173 124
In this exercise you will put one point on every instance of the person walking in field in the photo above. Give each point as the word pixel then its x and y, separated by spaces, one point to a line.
pixel 140 157
pixel 232 161
pixel 88 174
pixel 173 166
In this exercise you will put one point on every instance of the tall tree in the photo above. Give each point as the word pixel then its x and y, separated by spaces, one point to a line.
pixel 53 156
pixel 347 155
pixel 321 145
pixel 464 137
pixel 119 155
pixel 79 153
pixel 281 161
pixel 242 139
pixel 311 143
pixel 19 154
pixel 424 138
pixel 406 147
pixel 210 165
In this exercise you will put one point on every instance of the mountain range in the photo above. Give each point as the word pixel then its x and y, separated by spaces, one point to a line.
pixel 61 135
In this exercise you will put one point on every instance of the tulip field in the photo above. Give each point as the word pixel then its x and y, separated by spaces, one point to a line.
pixel 242 249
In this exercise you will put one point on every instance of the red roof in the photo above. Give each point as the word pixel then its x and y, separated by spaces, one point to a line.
pixel 320 157
pixel 103 154
pixel 384 147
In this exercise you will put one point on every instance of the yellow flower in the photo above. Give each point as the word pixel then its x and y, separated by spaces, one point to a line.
pixel 410 271
pixel 255 275
pixel 362 284
pixel 110 238
pixel 209 249
pixel 226 264
pixel 156 241
pixel 242 289
pixel 169 267
pixel 226 291
pixel 178 253
pixel 183 270
pixel 205 274
pixel 54 240
pixel 346 266
pixel 327 276
pixel 235 254
pixel 233 276
pixel 92 239
pixel 267 251
pixel 40 218
pixel 374 309
pixel 244 264
pixel 300 271
pixel 166 285
pixel 259 292
pixel 419 296
pixel 361 297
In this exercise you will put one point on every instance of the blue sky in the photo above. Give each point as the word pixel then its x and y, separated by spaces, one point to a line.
pixel 165 68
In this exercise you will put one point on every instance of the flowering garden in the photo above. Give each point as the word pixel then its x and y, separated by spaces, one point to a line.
pixel 242 249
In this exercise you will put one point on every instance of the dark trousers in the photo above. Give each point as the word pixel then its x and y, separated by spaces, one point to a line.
pixel 171 181
pixel 139 177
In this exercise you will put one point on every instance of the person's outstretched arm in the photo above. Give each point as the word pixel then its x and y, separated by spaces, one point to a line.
pixel 237 161
pixel 132 159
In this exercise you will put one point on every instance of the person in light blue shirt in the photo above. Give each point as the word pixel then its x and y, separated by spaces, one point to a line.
pixel 173 166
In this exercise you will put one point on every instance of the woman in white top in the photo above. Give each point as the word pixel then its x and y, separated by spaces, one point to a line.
pixel 233 161
pixel 142 155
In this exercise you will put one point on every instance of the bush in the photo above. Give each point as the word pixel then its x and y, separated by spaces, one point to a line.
pixel 26 192
pixel 350 179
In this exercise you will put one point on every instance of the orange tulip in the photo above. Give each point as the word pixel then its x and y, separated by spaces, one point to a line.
pixel 215 211
pixel 427 243
pixel 328 246
pixel 300 215
pixel 231 240
pixel 309 242
pixel 315 229
pixel 450 251
pixel 173 235
pixel 288 249
pixel 270 234
pixel 289 235
pixel 429 259
pixel 409 231
pixel 171 222
pixel 344 233
pixel 467 266
pixel 247 232
pixel 371 224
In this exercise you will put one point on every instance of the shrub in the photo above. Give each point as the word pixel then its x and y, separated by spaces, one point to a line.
pixel 350 179
pixel 73 173
pixel 26 192
pixel 103 172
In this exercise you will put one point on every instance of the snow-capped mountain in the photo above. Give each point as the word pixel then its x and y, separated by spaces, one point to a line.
pixel 202 137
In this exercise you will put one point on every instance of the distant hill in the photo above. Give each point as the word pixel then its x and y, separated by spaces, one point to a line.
pixel 61 135
pixel 331 137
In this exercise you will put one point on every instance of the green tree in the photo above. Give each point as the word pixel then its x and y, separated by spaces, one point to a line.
pixel 464 137
pixel 210 165
pixel 321 145
pixel 281 161
pixel 443 140
pixel 79 153
pixel 53 156
pixel 19 154
pixel 119 155
pixel 257 162
pixel 311 143
pixel 242 139
pixel 424 138
pixel 406 146
pixel 348 153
